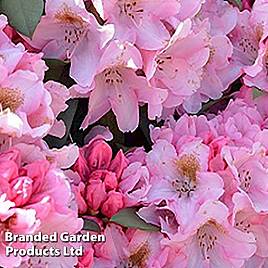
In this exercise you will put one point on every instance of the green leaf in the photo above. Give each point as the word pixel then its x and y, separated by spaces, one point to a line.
pixel 237 3
pixel 23 15
pixel 91 225
pixel 256 93
pixel 128 217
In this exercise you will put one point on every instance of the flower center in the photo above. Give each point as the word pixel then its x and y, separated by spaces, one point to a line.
pixel 138 259
pixel 162 60
pixel 249 47
pixel 131 9
pixel 207 237
pixel 245 179
pixel 69 17
pixel 242 225
pixel 185 183
pixel 113 76
pixel 10 98
pixel 73 26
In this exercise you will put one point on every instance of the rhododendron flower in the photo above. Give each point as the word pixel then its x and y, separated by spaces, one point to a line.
pixel 178 67
pixel 34 110
pixel 68 31
pixel 160 215
pixel 247 220
pixel 250 172
pixel 181 178
pixel 32 192
pixel 97 187
pixel 135 183
pixel 239 122
pixel 118 87
pixel 60 95
pixel 213 242
pixel 250 46
pixel 195 71
pixel 217 74
pixel 137 249
pixel 141 20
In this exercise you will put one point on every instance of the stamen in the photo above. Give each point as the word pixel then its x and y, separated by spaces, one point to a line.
pixel 188 166
pixel 10 98
pixel 140 257
pixel 67 16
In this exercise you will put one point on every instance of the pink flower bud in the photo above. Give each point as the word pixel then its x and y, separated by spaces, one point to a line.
pixel 113 204
pixel 95 194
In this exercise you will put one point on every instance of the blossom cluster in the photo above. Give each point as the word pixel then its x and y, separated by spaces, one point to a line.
pixel 196 194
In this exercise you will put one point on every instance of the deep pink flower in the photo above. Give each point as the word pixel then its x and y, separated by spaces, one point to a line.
pixel 37 197
pixel 113 203
pixel 96 188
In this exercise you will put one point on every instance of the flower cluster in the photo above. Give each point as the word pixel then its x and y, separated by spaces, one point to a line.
pixel 142 120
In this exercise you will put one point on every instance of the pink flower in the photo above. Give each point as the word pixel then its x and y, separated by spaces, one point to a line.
pixel 137 248
pixel 178 67
pixel 160 215
pixel 196 73
pixel 34 110
pixel 181 178
pixel 113 203
pixel 60 95
pixel 250 46
pixel 239 122
pixel 68 31
pixel 37 197
pixel 212 243
pixel 118 87
pixel 247 220
pixel 21 74
pixel 135 184
pixel 141 21
pixel 249 169
pixel 187 126
pixel 96 189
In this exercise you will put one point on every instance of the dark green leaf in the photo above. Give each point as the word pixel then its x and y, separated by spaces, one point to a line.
pixel 23 15
pixel 91 225
pixel 237 3
pixel 128 217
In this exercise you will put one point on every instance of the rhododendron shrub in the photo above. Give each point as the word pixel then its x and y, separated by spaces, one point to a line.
pixel 142 121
